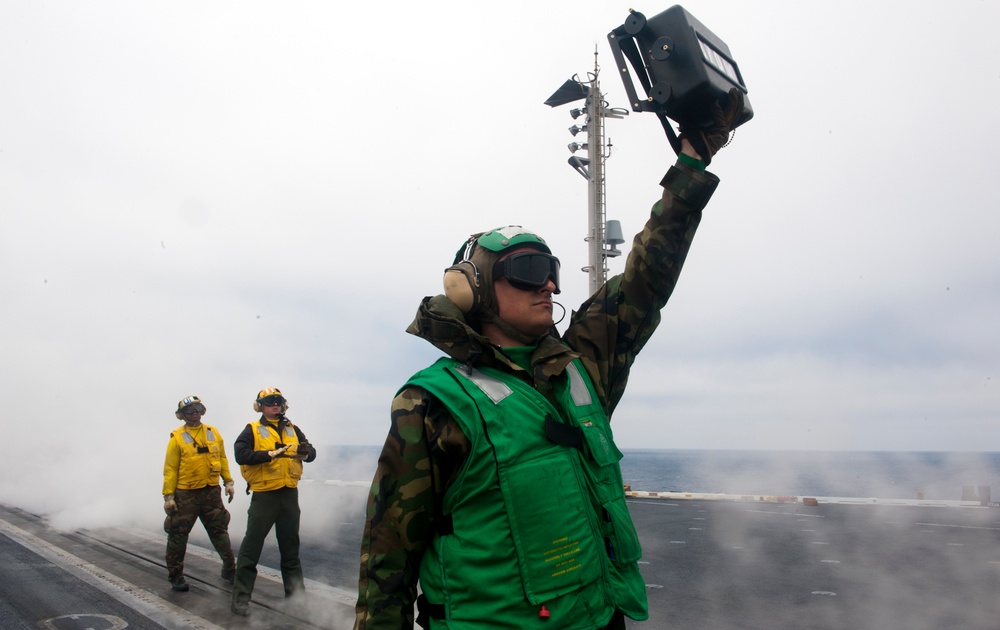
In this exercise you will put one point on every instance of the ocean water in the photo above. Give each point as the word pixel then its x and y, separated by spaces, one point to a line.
pixel 884 475
pixel 866 474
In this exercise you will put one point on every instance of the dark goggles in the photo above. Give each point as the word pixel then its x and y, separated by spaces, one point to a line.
pixel 528 271
pixel 190 410
pixel 272 400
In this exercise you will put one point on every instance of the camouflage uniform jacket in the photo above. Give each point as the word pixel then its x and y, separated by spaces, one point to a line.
pixel 425 448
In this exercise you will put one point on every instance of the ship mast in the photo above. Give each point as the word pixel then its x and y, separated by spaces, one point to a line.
pixel 596 267
pixel 602 235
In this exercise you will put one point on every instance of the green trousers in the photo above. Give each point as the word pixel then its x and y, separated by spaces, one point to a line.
pixel 278 509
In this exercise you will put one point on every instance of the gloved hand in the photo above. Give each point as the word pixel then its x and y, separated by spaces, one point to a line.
pixel 302 451
pixel 230 491
pixel 277 451
pixel 169 505
pixel 708 140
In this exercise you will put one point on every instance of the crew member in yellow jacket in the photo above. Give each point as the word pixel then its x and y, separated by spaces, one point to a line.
pixel 196 459
pixel 270 452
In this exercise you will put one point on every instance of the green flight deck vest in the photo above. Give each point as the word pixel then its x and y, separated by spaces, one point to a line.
pixel 534 532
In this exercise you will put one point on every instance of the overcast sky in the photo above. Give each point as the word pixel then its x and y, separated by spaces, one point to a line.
pixel 212 198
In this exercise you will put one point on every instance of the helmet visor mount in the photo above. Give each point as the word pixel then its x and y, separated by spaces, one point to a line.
pixel 271 401
pixel 528 271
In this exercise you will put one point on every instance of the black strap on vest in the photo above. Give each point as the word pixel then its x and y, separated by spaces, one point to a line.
pixel 426 609
pixel 563 434
pixel 445 525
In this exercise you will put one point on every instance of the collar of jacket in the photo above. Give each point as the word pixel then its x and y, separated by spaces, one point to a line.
pixel 276 426
pixel 442 323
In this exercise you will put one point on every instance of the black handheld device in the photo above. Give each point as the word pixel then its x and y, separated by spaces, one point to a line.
pixel 682 66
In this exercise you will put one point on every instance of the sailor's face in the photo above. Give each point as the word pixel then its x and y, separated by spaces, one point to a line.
pixel 529 311
pixel 271 412
pixel 192 415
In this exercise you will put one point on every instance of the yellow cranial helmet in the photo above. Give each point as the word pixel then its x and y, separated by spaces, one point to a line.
pixel 270 396
pixel 189 404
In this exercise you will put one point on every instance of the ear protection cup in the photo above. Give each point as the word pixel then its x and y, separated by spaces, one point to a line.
pixel 469 281
pixel 461 285
pixel 462 281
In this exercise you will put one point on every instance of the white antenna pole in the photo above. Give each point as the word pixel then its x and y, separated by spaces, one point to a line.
pixel 600 231
pixel 596 267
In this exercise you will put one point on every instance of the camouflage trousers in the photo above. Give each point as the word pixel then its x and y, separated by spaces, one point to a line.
pixel 205 504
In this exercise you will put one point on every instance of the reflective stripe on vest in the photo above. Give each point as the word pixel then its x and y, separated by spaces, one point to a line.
pixel 495 389
pixel 265 434
pixel 577 387
pixel 188 439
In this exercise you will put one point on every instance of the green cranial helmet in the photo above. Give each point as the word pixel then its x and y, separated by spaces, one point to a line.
pixel 504 238
pixel 469 281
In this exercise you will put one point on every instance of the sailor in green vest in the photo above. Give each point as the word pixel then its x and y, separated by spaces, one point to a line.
pixel 498 491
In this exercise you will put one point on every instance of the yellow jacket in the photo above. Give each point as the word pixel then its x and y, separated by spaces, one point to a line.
pixel 284 471
pixel 196 457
